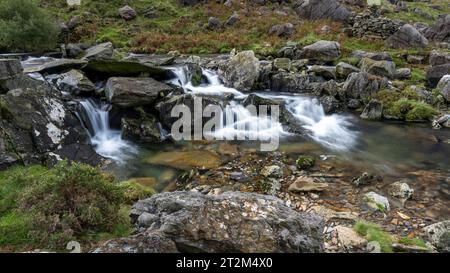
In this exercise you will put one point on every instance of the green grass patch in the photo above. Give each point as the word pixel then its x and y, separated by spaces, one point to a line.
pixel 373 232
pixel 412 242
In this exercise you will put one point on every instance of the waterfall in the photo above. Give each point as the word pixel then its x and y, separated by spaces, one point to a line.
pixel 106 142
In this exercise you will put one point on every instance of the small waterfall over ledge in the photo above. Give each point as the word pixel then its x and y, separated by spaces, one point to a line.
pixel 106 142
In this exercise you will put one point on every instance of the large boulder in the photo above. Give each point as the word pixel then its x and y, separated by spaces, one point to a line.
pixel 54 66
pixel 9 68
pixel 131 92
pixel 144 129
pixel 319 9
pixel 114 68
pixel 73 82
pixel 440 31
pixel 378 68
pixel 99 52
pixel 241 71
pixel 444 87
pixel 435 74
pixel 345 69
pixel 291 82
pixel 439 235
pixel 359 86
pixel 324 51
pixel 407 37
pixel 282 30
pixel 230 222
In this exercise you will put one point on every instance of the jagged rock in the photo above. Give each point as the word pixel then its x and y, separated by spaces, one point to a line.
pixel 439 235
pixel 439 58
pixel 232 20
pixel 74 82
pixel 282 63
pixel 306 184
pixel 291 82
pixel 230 222
pixel 345 69
pixel 99 52
pixel 359 86
pixel 407 37
pixel 403 73
pixel 401 190
pixel 127 13
pixel 367 24
pixel 55 66
pixel 214 23
pixel 10 68
pixel 444 87
pixel 440 31
pixel 283 30
pixel 378 68
pixel 325 51
pixel 241 71
pixel 330 104
pixel 373 110
pixel 318 9
pixel 363 179
pixel 435 74
pixel 376 201
pixel 74 50
pixel 130 92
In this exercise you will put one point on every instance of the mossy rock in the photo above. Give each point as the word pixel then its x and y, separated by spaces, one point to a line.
pixel 305 162
pixel 136 189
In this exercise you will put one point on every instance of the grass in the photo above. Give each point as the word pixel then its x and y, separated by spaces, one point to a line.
pixel 412 242
pixel 411 17
pixel 372 232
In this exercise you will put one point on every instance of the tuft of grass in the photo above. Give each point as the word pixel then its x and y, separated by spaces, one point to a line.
pixel 412 242
pixel 373 232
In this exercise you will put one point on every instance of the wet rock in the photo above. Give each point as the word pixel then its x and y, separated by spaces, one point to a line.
pixel 257 100
pixel 327 72
pixel 113 68
pixel 440 31
pixel 272 171
pixel 345 69
pixel 130 92
pixel 283 30
pixel 363 179
pixel 318 9
pixel 373 110
pixel 231 222
pixel 407 37
pixel 241 71
pixel 354 104
pixel 214 23
pixel 403 73
pixel 439 58
pixel 330 104
pixel 127 13
pixel 376 201
pixel 74 82
pixel 325 51
pixel 144 129
pixel 378 68
pixel 401 190
pixel 444 87
pixel 76 152
pixel 55 66
pixel 10 68
pixel 439 235
pixel 349 238
pixel 306 184
pixel 99 52
pixel 435 73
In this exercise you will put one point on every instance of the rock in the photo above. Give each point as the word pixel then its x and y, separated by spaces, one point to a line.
pixel 242 71
pixel 74 82
pixel 415 59
pixel 144 129
pixel 407 37
pixel 10 68
pixel 329 214
pixel 373 247
pixel 349 238
pixel 363 179
pixel 99 52
pixel 130 92
pixel 186 160
pixel 214 23
pixel 232 20
pixel 74 21
pixel 305 162
pixel 127 13
pixel 378 56
pixel 282 63
pixel 443 87
pixel 401 190
pixel 282 30
pixel 194 73
pixel 403 73
pixel 55 66
pixel 373 110
pixel 330 104
pixel 358 86
pixel 318 9
pixel 291 82
pixel 376 201
pixel 326 72
pixel 229 222
pixel 306 184
pixel 435 74
pixel 354 104
pixel 378 68
pixel 74 50
pixel 345 69
pixel 439 235
pixel 272 171
pixel 146 242
pixel 113 68
pixel 438 58
pixel 76 152
pixel 325 51
pixel 440 31
pixel 257 100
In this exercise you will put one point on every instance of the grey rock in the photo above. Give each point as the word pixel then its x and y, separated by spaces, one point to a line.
pixel 378 68
pixel 407 37
pixel 439 58
pixel 232 20
pixel 440 31
pixel 415 59
pixel 146 242
pixel 435 74
pixel 373 110
pixel 362 180
pixel 10 68
pixel 444 87
pixel 345 69
pixel 127 13
pixel 403 73
pixel 74 82
pixel 439 235
pixel 325 51
pixel 114 68
pixel 376 201
pixel 144 129
pixel 400 189
pixel 327 72
pixel 318 9
pixel 330 104
pixel 282 30
pixel 73 50
pixel 99 52
pixel 55 66
pixel 214 23
pixel 291 82
pixel 241 71
pixel 359 86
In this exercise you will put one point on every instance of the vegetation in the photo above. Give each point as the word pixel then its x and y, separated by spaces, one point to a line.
pixel 46 208
pixel 372 232
pixel 305 162
pixel 26 27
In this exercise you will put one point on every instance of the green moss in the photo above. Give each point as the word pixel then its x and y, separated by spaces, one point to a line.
pixel 305 162
pixel 134 191
pixel 410 110
pixel 418 75
pixel 373 232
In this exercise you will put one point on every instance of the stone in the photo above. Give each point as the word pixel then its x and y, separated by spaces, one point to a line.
pixel 10 68
pixel 373 110
pixel 114 68
pixel 228 222
pixel 74 82
pixel 373 247
pixel 330 215
pixel 74 50
pixel 376 201
pixel 99 52
pixel 241 71
pixel 325 51
pixel 440 31
pixel 131 92
pixel 378 68
pixel 55 66
pixel 330 104
pixel 214 23
pixel 378 56
pixel 127 13
pixel 145 129
pixel 435 74
pixel 438 58
pixel 349 238
pixel 414 59
pixel 282 30
pixel 443 87
pixel 282 63
pixel 359 86
pixel 76 152
pixel 291 83
pixel 272 171
pixel 439 235
pixel 364 179
pixel 400 190
pixel 407 37
pixel 306 184
pixel 327 72
pixel 403 73
pixel 74 21
pixel 232 20
pixel 345 69
pixel 305 162
pixel 72 3
pixel 318 9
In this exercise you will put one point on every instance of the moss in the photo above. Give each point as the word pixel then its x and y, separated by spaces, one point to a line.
pixel 412 241
pixel 5 112
pixel 410 110
pixel 305 162
pixel 134 191
pixel 373 232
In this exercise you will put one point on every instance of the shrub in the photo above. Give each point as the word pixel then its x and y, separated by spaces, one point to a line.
pixel 25 27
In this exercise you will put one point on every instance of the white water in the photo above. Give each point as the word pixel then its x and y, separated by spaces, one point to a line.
pixel 331 131
pixel 106 142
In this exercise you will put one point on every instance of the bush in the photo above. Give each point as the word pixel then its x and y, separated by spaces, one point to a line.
pixel 48 207
pixel 25 27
